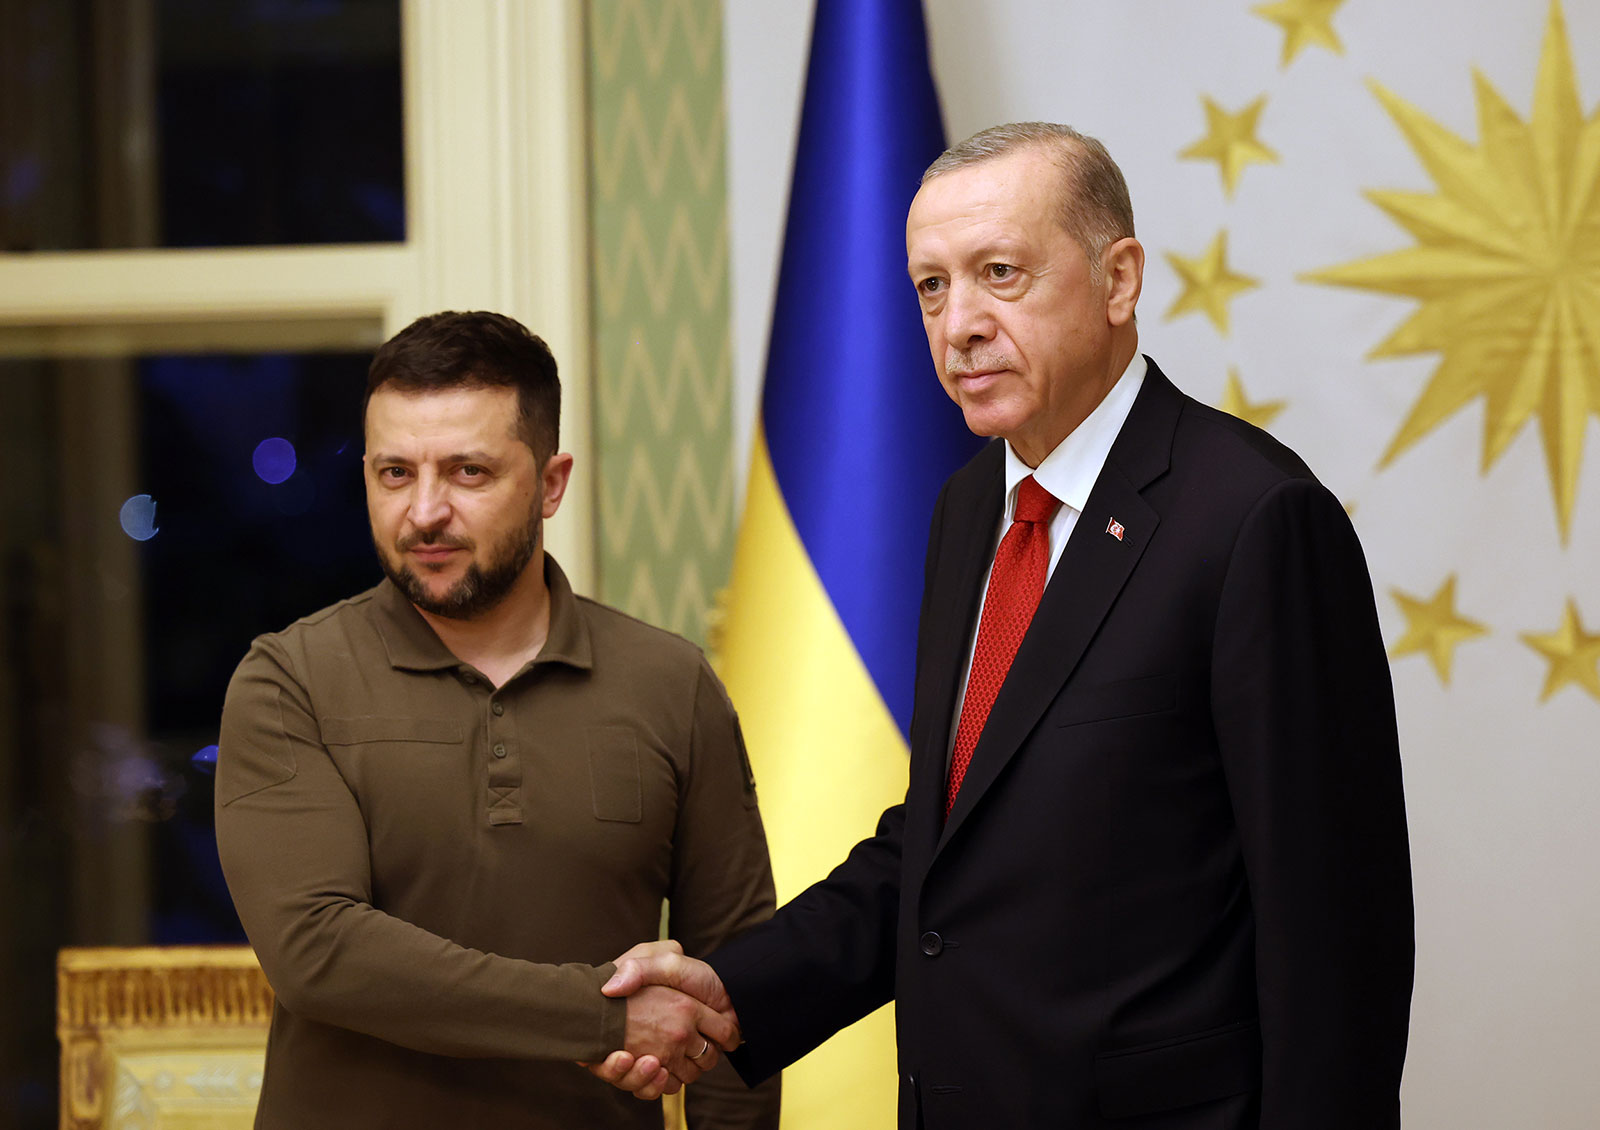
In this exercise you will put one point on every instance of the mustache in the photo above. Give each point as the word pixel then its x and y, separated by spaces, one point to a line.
pixel 433 538
pixel 958 363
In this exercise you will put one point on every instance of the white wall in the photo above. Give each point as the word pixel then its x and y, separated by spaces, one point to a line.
pixel 1501 788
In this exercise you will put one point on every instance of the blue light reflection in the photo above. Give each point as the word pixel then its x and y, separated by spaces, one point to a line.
pixel 205 759
pixel 274 460
pixel 138 517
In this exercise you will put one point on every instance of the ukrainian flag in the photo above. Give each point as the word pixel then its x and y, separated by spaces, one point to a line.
pixel 855 438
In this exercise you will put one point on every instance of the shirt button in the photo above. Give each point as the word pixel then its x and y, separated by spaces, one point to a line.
pixel 932 944
pixel 498 709
pixel 499 750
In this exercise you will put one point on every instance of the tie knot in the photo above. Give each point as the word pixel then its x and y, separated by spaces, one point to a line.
pixel 1034 503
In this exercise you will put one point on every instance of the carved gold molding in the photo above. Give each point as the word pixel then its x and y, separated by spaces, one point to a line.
pixel 154 1037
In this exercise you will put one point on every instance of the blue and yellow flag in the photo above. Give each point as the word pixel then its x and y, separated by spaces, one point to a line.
pixel 855 438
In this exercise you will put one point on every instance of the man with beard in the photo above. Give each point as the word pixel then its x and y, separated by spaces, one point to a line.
pixel 444 804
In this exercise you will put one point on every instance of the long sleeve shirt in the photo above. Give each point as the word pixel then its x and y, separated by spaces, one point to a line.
pixel 435 872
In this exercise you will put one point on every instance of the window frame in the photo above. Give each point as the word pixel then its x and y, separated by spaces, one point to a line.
pixel 495 116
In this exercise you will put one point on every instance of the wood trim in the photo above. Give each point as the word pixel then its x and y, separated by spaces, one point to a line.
pixel 189 285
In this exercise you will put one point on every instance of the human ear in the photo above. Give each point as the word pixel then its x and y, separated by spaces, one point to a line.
pixel 554 476
pixel 1122 264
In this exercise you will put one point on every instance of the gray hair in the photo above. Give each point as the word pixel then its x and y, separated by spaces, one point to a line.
pixel 1094 207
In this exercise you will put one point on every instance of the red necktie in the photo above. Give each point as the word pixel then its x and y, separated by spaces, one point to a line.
pixel 1016 582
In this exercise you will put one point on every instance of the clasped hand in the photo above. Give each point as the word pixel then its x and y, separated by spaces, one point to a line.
pixel 679 1021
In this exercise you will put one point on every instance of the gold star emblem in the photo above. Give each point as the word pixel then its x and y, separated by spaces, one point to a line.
pixel 1231 141
pixel 1208 283
pixel 1304 22
pixel 1573 654
pixel 1435 627
pixel 1506 267
pixel 1261 413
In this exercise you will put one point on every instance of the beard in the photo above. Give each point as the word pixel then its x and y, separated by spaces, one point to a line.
pixel 485 583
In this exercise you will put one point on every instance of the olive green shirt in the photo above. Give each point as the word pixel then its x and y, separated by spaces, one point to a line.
pixel 435 873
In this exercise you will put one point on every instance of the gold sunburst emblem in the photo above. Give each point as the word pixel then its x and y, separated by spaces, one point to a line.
pixel 1506 267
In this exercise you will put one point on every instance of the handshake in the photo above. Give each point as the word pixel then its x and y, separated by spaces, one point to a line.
pixel 679 1021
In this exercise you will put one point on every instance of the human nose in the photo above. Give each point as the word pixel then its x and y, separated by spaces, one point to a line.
pixel 430 503
pixel 968 320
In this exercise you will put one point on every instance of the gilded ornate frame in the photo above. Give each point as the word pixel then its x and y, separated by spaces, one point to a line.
pixel 156 1037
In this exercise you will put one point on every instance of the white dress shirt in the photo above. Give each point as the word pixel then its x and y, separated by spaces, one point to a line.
pixel 1068 473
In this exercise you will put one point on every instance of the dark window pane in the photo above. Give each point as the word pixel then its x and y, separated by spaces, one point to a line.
pixel 253 466
pixel 199 123
pixel 162 512
pixel 235 554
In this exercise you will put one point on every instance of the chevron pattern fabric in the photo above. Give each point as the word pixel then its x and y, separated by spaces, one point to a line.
pixel 663 356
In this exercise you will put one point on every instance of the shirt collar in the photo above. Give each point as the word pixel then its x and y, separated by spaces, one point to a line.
pixel 568 639
pixel 1069 472
pixel 414 646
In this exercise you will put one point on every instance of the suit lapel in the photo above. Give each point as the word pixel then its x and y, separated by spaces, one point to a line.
pixel 974 519
pixel 1092 570
pixel 970 521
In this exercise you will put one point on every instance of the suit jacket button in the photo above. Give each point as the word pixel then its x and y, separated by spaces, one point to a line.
pixel 932 944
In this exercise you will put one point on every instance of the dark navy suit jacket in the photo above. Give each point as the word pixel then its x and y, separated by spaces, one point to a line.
pixel 1175 889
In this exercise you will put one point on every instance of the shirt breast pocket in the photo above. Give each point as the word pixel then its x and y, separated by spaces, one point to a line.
pixel 614 776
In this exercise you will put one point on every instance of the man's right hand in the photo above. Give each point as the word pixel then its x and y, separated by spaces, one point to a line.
pixel 671 1038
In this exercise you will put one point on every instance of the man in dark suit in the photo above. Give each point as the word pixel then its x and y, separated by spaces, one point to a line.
pixel 1152 866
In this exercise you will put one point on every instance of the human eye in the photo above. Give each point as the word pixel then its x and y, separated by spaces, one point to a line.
pixel 472 474
pixel 930 287
pixel 392 474
pixel 1000 272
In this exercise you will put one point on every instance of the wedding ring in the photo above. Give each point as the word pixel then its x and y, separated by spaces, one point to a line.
pixel 705 1047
